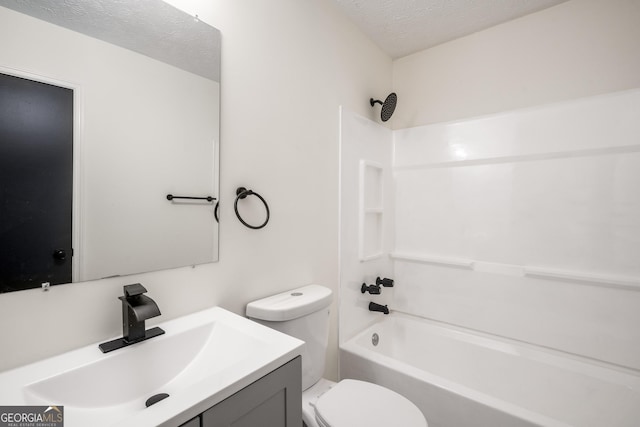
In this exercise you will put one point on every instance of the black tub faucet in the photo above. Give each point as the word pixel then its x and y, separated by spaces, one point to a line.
pixel 387 283
pixel 372 289
pixel 377 307
pixel 136 308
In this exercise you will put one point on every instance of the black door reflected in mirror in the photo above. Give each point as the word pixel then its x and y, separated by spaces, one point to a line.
pixel 36 198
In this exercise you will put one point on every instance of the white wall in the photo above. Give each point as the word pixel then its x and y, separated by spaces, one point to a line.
pixel 575 49
pixel 286 67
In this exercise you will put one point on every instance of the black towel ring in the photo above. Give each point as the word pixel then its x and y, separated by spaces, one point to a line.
pixel 241 193
pixel 215 211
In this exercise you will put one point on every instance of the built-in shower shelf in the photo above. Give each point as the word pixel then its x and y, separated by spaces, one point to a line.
pixel 371 211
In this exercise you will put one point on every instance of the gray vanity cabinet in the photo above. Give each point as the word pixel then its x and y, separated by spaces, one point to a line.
pixel 193 423
pixel 274 400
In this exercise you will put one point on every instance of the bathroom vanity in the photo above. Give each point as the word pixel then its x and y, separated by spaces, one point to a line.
pixel 273 400
pixel 217 368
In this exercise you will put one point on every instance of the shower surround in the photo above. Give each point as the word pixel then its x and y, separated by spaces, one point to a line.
pixel 524 226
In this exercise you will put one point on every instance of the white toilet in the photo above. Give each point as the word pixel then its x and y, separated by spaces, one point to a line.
pixel 304 313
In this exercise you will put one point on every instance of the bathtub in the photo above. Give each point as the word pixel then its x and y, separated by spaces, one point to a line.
pixel 460 378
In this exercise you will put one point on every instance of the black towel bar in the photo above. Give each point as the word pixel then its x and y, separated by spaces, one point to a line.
pixel 207 198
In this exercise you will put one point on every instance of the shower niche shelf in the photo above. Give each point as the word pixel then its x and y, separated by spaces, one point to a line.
pixel 371 211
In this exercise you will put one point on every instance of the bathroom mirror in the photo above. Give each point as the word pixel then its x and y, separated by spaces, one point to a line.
pixel 140 81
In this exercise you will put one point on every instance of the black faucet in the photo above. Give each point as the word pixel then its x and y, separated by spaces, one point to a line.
pixel 387 283
pixel 136 308
pixel 372 289
pixel 377 307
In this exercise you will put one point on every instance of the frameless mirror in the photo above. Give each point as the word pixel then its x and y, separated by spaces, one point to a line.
pixel 132 89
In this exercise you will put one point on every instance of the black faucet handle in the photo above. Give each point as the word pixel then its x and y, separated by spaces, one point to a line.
pixel 387 283
pixel 372 289
pixel 134 290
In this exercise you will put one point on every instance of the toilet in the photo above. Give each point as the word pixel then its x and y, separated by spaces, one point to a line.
pixel 304 313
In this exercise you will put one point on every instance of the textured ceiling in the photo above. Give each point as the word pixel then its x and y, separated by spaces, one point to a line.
pixel 150 27
pixel 403 27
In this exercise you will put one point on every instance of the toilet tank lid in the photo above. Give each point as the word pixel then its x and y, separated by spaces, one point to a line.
pixel 290 304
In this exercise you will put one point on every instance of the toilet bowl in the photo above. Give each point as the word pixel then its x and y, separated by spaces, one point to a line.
pixel 356 403
pixel 304 314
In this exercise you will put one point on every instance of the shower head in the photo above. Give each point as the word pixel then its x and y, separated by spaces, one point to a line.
pixel 388 106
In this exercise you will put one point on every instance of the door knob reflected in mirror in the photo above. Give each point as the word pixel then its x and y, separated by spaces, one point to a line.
pixel 60 255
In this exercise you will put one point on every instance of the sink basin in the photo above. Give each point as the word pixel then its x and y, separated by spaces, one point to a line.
pixel 200 360
pixel 128 374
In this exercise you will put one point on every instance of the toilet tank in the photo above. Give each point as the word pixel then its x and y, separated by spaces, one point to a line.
pixel 304 314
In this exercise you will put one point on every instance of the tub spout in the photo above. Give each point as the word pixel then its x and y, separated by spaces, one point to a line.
pixel 377 307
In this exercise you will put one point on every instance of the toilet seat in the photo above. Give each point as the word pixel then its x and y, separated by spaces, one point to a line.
pixel 353 403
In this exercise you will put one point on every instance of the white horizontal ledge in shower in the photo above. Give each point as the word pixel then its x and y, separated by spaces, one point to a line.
pixel 593 279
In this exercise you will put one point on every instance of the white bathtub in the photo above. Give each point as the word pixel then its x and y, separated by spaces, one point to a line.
pixel 459 378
